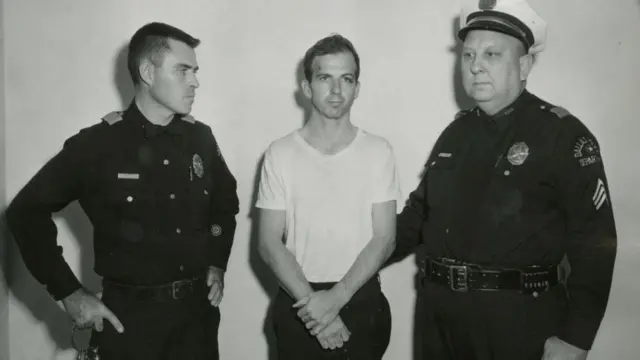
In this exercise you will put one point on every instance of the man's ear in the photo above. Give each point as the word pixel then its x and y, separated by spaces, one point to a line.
pixel 306 88
pixel 146 70
pixel 526 63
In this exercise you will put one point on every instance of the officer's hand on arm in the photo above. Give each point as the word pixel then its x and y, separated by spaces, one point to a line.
pixel 215 280
pixel 87 310
pixel 556 349
pixel 409 223
pixel 335 335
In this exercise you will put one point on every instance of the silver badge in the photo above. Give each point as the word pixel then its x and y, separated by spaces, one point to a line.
pixel 198 167
pixel 518 153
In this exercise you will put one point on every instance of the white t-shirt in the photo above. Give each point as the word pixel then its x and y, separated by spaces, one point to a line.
pixel 327 198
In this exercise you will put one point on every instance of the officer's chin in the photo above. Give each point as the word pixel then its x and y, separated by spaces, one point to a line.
pixel 480 95
pixel 184 110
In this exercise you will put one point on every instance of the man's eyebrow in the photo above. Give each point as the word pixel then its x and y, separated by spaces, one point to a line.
pixel 187 66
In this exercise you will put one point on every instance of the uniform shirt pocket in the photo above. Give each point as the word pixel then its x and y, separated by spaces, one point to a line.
pixel 442 177
pixel 125 194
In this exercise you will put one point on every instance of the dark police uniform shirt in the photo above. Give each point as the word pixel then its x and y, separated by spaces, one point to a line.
pixel 523 187
pixel 161 200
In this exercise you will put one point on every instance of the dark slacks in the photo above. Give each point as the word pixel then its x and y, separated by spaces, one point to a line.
pixel 486 325
pixel 159 328
pixel 367 316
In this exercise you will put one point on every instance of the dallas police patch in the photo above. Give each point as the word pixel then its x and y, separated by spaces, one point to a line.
pixel 586 151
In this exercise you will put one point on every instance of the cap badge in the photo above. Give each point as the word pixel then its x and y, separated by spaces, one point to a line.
pixel 486 4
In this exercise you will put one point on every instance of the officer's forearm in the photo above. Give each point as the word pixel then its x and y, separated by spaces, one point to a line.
pixel 222 233
pixel 409 224
pixel 35 234
pixel 408 234
pixel 588 288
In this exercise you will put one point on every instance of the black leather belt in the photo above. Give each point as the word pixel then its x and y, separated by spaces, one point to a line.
pixel 463 277
pixel 171 291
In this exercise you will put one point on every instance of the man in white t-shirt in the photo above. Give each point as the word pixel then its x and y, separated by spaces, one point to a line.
pixel 329 189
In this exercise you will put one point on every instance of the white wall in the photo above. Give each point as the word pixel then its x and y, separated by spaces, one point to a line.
pixel 4 295
pixel 64 73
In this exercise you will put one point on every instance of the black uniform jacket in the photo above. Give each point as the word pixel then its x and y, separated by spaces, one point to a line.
pixel 524 187
pixel 161 200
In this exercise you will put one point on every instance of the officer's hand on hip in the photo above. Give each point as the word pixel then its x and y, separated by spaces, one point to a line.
pixel 335 335
pixel 215 280
pixel 556 349
pixel 88 310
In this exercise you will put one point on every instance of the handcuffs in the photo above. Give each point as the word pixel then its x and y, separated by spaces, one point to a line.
pixel 90 352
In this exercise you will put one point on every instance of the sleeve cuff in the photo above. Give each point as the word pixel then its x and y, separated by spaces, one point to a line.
pixel 64 283
pixel 221 235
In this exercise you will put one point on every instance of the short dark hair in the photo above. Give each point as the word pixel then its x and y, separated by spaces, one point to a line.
pixel 150 42
pixel 333 44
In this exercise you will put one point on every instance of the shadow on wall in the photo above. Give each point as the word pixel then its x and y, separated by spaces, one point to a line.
pixel 462 100
pixel 122 77
pixel 33 296
pixel 4 273
pixel 298 96
pixel 25 289
pixel 261 270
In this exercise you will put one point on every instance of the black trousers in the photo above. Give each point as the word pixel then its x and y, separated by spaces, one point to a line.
pixel 498 325
pixel 159 328
pixel 367 316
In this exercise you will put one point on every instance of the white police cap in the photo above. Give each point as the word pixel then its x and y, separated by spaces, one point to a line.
pixel 511 17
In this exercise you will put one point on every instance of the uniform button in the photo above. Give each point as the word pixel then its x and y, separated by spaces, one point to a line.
pixel 433 163
pixel 181 268
pixel 178 231
pixel 206 192
pixel 447 230
pixel 507 172
pixel 173 196
pixel 166 162
pixel 129 198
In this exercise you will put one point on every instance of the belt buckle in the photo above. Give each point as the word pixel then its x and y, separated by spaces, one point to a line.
pixel 459 277
pixel 176 288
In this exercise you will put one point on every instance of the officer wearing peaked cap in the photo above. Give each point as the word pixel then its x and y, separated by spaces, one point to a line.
pixel 512 188
pixel 162 202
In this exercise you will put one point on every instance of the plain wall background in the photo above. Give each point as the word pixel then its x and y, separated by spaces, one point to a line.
pixel 65 69
pixel 4 295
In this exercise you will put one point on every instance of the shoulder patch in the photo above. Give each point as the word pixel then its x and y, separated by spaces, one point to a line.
pixel 586 151
pixel 112 117
pixel 560 111
pixel 461 113
pixel 190 119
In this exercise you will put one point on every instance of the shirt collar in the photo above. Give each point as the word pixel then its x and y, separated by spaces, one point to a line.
pixel 501 118
pixel 150 130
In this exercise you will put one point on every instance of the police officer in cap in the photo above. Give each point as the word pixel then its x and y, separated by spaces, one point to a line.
pixel 511 188
pixel 162 202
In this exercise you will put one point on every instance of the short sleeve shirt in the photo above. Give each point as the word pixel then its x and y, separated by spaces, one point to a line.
pixel 328 199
